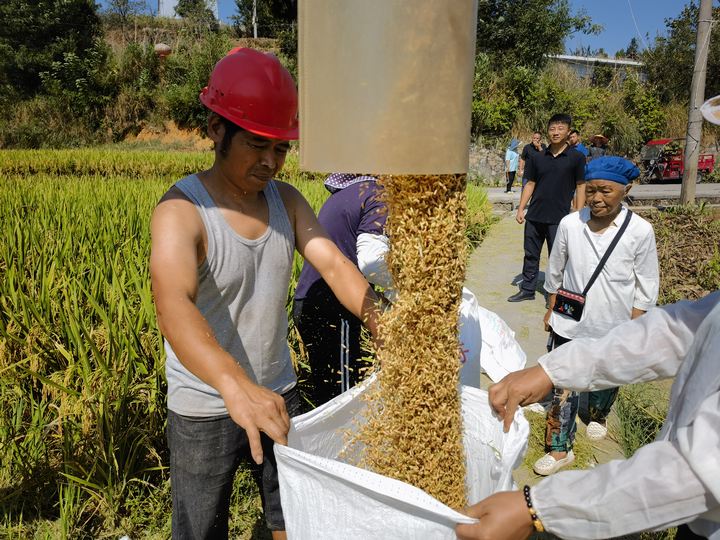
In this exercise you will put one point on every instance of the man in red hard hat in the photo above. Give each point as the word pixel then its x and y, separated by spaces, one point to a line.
pixel 223 242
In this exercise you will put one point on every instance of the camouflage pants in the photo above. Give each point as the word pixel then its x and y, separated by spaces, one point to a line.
pixel 561 420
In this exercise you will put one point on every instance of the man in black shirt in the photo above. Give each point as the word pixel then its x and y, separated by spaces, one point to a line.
pixel 529 150
pixel 553 175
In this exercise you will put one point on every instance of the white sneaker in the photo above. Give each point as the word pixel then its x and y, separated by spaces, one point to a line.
pixel 547 464
pixel 596 431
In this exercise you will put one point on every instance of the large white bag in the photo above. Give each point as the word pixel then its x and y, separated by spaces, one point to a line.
pixel 323 497
pixel 488 343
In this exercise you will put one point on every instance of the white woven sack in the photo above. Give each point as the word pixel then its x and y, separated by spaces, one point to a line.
pixel 487 343
pixel 323 497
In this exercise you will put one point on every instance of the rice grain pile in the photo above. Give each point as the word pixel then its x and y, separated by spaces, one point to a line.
pixel 413 429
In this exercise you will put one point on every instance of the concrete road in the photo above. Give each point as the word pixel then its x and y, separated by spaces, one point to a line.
pixel 641 195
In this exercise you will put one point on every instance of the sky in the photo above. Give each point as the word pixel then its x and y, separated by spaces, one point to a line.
pixel 622 20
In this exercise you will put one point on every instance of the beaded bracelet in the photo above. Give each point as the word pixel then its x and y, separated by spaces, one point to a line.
pixel 533 514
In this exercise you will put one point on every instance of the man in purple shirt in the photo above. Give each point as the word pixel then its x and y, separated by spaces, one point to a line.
pixel 330 333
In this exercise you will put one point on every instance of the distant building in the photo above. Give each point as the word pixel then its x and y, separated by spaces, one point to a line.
pixel 166 8
pixel 583 66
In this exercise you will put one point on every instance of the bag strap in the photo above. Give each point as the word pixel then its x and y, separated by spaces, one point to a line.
pixel 608 251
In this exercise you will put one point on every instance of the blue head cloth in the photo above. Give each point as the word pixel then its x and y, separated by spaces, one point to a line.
pixel 612 168
pixel 514 143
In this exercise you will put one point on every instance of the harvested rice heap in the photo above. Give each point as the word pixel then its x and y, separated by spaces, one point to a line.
pixel 414 427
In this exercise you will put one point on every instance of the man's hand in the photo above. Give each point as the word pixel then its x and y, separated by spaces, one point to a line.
pixel 255 408
pixel 520 215
pixel 503 516
pixel 518 388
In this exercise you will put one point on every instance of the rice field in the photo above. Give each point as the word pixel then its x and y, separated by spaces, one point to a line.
pixel 82 389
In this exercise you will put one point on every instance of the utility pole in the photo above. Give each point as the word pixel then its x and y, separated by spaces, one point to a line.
pixel 697 96
pixel 255 25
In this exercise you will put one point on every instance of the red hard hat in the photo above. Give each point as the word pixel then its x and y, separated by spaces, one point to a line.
pixel 253 90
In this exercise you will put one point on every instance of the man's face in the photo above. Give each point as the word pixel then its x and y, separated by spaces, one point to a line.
pixel 604 197
pixel 536 139
pixel 254 160
pixel 558 132
pixel 573 139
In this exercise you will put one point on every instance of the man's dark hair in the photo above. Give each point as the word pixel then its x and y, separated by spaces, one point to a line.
pixel 574 131
pixel 231 129
pixel 560 118
pixel 537 133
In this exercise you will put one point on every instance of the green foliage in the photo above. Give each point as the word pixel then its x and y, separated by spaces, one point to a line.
pixel 287 41
pixel 642 102
pixel 137 76
pixel 35 35
pixel 669 61
pixel 709 277
pixel 273 17
pixel 523 31
pixel 187 72
pixel 196 13
pixel 641 409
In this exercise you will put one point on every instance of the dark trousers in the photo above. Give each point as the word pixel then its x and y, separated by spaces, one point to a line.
pixel 331 336
pixel 510 175
pixel 536 234
pixel 205 453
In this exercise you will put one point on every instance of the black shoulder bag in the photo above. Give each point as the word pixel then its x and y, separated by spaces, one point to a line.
pixel 572 303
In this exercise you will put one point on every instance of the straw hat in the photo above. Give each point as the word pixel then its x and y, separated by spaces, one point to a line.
pixel 601 139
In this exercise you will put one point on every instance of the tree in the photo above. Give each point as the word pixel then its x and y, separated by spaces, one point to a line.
pixel 35 35
pixel 124 10
pixel 633 49
pixel 273 17
pixel 523 32
pixel 197 13
pixel 669 61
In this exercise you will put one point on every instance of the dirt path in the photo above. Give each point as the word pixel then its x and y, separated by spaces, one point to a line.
pixel 492 272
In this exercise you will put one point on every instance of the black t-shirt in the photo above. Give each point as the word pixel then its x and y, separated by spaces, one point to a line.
pixel 555 180
pixel 530 150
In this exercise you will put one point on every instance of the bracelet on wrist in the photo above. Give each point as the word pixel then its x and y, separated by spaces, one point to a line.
pixel 533 514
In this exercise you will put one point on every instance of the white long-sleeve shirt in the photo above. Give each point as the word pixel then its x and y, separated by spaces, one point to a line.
pixel 629 279
pixel 675 479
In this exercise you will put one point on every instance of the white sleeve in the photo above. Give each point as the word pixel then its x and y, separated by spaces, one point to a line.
pixel 654 489
pixel 647 274
pixel 647 348
pixel 371 251
pixel 558 260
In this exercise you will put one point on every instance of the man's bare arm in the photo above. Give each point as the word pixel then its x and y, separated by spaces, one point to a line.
pixel 525 196
pixel 176 237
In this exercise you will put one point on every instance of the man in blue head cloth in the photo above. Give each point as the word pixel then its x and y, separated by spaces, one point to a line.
pixel 625 287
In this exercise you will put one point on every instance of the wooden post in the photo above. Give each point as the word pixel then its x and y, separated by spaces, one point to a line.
pixel 697 96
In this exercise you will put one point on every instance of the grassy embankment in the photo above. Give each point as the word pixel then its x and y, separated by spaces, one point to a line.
pixel 82 389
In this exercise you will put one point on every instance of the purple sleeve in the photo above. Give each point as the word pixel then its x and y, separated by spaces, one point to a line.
pixel 373 215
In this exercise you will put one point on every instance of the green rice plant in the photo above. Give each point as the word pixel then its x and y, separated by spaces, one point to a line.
pixel 82 388
pixel 641 409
